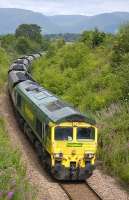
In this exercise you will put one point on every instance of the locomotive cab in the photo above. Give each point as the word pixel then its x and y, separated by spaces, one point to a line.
pixel 74 147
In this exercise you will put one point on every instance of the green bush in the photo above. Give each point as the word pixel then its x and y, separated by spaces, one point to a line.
pixel 80 76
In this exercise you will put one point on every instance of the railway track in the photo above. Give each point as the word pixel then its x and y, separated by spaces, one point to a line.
pixel 79 191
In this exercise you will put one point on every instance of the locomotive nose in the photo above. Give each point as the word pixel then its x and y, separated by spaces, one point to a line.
pixel 73 152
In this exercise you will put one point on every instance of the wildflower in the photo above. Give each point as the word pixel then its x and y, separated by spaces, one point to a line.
pixel 10 195
pixel 1 195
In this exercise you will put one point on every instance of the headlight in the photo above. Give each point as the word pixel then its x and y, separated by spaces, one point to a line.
pixel 89 155
pixel 58 155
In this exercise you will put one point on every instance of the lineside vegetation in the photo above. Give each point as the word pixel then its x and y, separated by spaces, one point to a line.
pixel 4 63
pixel 13 182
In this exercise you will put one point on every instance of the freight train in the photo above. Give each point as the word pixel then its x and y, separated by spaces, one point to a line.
pixel 65 139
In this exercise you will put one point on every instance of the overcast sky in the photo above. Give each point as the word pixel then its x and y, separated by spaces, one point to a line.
pixel 83 7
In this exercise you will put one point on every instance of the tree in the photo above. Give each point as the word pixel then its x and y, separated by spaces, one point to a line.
pixel 31 31
pixel 97 37
pixel 121 46
pixel 93 38
pixel 22 45
pixel 26 46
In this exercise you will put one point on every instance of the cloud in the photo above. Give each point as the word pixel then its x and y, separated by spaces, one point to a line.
pixel 51 7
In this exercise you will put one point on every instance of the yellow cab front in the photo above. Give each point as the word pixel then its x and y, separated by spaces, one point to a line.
pixel 74 146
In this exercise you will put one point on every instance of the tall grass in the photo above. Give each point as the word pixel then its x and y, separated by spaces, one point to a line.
pixel 4 64
pixel 13 182
pixel 114 140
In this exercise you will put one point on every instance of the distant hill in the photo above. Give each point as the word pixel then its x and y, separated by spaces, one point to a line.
pixel 107 22
pixel 10 18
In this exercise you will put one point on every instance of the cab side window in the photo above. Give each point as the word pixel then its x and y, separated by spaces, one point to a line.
pixel 39 127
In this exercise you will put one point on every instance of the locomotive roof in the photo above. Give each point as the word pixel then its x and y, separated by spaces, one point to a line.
pixel 53 108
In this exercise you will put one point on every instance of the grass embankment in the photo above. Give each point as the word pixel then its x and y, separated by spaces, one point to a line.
pixel 114 130
pixel 88 78
pixel 13 183
pixel 4 65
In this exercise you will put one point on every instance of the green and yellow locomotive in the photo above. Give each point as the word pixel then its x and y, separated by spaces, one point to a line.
pixel 65 139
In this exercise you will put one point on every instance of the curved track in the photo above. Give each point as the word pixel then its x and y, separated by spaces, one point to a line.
pixel 76 191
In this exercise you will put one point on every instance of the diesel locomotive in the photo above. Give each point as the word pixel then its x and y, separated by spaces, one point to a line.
pixel 65 139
